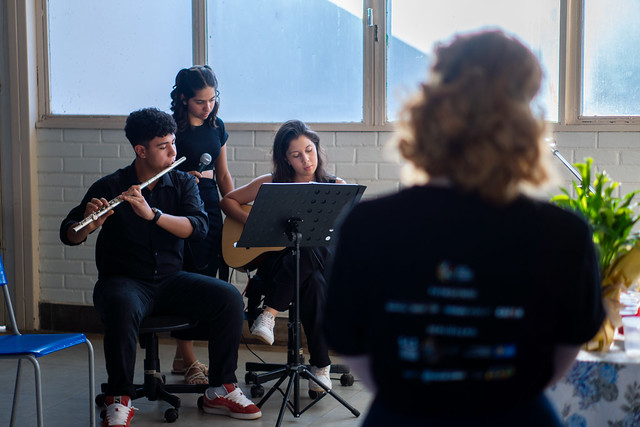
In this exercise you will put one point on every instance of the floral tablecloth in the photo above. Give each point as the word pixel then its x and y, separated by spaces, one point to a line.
pixel 600 389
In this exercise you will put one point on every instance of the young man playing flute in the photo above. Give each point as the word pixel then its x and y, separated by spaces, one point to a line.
pixel 139 253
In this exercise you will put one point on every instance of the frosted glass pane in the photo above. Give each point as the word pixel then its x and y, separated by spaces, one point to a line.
pixel 414 26
pixel 113 57
pixel 611 64
pixel 283 59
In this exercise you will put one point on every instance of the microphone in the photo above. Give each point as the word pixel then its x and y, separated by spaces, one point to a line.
pixel 205 159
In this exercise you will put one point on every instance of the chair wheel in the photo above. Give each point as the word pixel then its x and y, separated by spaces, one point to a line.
pixel 101 400
pixel 171 415
pixel 257 390
pixel 315 394
pixel 346 380
pixel 201 403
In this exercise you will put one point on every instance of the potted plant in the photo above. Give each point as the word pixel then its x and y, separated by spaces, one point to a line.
pixel 612 219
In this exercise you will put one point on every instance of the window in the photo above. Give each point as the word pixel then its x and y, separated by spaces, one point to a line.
pixel 611 68
pixel 113 57
pixel 415 26
pixel 282 59
pixel 341 62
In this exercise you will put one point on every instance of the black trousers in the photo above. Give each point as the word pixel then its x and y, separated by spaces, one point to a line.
pixel 280 274
pixel 123 302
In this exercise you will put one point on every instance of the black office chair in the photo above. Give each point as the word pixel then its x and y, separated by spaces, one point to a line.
pixel 155 386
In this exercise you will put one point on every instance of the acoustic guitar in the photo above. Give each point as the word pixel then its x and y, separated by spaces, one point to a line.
pixel 242 258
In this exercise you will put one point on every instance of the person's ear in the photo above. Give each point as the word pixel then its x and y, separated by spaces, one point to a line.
pixel 182 99
pixel 140 151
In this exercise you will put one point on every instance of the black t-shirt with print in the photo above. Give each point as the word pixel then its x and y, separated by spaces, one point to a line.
pixel 460 303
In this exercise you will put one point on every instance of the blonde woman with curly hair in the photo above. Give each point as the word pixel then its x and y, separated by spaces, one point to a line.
pixel 472 297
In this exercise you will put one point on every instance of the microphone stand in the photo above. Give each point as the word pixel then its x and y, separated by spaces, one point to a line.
pixel 554 150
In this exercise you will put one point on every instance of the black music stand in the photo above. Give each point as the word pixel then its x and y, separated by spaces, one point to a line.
pixel 297 215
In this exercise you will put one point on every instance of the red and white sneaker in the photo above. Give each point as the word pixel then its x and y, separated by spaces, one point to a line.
pixel 234 404
pixel 119 411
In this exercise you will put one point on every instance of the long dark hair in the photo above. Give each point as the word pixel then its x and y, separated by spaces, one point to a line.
pixel 290 130
pixel 188 81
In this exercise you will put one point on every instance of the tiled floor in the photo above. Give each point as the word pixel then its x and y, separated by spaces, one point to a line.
pixel 65 393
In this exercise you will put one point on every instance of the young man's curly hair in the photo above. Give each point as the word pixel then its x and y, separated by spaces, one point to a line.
pixel 145 124
pixel 472 121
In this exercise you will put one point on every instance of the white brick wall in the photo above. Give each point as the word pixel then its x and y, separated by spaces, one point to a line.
pixel 70 160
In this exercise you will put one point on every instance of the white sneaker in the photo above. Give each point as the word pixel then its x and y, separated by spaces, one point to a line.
pixel 263 327
pixel 323 375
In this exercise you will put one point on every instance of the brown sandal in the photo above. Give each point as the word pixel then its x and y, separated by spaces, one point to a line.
pixel 197 373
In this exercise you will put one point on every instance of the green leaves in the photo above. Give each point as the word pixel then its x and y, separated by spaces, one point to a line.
pixel 612 218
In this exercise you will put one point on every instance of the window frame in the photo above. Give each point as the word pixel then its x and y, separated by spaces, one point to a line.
pixel 573 83
pixel 374 78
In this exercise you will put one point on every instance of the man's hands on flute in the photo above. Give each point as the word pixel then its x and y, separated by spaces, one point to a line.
pixel 139 204
pixel 93 206
pixel 179 226
pixel 133 195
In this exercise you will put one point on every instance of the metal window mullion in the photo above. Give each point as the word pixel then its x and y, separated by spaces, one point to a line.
pixel 563 72
pixel 374 102
pixel 574 62
pixel 380 64
pixel 42 34
pixel 368 80
pixel 199 31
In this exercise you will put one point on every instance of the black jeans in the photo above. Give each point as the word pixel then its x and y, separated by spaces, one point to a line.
pixel 280 272
pixel 123 302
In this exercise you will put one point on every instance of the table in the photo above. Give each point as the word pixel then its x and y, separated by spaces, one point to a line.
pixel 602 389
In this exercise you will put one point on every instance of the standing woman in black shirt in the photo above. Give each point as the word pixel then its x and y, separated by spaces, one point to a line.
pixel 195 101
pixel 459 300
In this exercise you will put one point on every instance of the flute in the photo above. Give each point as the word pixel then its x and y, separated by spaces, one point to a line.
pixel 116 201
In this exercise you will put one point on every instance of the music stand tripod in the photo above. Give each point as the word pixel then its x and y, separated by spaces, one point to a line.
pixel 297 215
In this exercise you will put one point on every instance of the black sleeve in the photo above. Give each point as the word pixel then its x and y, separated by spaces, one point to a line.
pixel 192 207
pixel 224 135
pixel 97 190
pixel 582 310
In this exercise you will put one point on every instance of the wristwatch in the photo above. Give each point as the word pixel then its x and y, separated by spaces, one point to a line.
pixel 156 217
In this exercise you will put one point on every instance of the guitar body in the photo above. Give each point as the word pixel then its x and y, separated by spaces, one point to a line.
pixel 243 258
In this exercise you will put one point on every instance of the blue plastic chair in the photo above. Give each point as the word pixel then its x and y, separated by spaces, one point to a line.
pixel 14 345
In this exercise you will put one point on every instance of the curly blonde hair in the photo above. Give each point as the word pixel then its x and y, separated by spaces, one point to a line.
pixel 472 123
